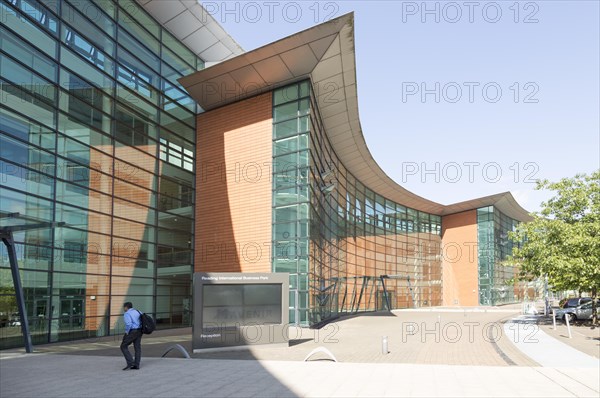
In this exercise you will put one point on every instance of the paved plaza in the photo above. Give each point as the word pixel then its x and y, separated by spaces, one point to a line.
pixel 439 352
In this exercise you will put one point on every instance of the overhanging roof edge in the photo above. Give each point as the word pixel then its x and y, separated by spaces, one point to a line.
pixel 197 18
pixel 505 202
pixel 340 62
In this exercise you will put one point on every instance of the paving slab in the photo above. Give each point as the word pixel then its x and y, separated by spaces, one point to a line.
pixel 544 349
pixel 451 336
pixel 447 353
pixel 55 375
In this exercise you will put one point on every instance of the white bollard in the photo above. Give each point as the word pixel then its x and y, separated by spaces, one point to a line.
pixel 568 324
pixel 553 319
pixel 384 345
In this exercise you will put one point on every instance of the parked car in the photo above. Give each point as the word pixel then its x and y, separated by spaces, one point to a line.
pixel 576 302
pixel 4 319
pixel 582 312
pixel 15 319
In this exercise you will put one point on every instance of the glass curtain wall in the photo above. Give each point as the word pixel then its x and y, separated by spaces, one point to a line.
pixel 347 248
pixel 496 280
pixel 290 193
pixel 97 133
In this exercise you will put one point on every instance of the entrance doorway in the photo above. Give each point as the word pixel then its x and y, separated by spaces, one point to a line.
pixel 72 313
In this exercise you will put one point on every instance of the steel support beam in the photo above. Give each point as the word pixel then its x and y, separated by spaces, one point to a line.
pixel 7 238
pixel 387 299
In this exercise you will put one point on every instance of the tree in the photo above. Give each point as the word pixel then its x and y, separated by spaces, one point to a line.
pixel 8 304
pixel 563 240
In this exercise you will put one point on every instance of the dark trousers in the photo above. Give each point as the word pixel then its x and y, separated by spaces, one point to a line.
pixel 135 337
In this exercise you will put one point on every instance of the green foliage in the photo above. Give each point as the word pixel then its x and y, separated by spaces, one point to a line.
pixel 8 300
pixel 563 240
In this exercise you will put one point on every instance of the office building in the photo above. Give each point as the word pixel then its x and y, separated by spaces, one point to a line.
pixel 161 148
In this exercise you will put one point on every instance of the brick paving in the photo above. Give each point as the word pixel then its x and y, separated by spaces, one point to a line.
pixel 425 337
pixel 414 337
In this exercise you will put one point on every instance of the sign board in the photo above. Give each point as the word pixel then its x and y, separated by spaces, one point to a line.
pixel 238 309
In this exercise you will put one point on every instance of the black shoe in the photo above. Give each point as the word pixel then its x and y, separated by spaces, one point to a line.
pixel 127 367
pixel 135 367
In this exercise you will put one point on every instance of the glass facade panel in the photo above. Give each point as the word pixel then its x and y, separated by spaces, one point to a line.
pixel 496 280
pixel 336 237
pixel 80 123
pixel 181 67
pixel 22 24
pixel 178 53
pixel 88 67
pixel 135 48
pixel 11 45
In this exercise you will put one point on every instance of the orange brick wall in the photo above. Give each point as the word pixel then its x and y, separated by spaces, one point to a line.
pixel 459 259
pixel 233 187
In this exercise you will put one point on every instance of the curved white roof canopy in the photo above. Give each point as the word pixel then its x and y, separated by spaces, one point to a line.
pixel 193 25
pixel 325 54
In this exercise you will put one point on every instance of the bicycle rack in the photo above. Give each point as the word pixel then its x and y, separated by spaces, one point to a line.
pixel 179 348
pixel 324 351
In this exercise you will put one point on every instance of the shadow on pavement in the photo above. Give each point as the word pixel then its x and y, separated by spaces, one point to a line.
pixel 90 362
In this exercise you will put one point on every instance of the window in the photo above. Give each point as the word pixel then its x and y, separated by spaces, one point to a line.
pixel 37 12
pixel 86 49
pixel 176 155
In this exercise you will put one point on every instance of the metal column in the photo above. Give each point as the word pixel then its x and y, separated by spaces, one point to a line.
pixel 7 238
pixel 6 234
pixel 387 299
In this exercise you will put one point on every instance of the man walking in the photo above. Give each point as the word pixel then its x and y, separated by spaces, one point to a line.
pixel 133 334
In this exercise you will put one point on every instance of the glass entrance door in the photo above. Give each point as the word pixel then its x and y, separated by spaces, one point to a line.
pixel 40 314
pixel 71 313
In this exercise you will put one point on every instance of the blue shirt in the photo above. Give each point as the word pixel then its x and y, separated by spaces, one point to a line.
pixel 132 320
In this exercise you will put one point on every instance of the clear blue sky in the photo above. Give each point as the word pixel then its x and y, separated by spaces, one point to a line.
pixel 546 126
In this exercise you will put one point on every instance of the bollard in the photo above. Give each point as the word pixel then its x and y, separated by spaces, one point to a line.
pixel 568 324
pixel 553 319
pixel 384 345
